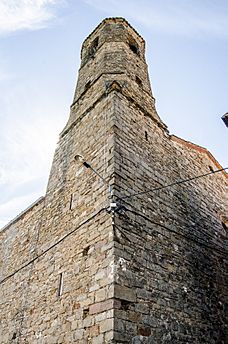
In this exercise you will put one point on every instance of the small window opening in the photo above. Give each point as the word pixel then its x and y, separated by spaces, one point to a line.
pixel 224 225
pixel 95 42
pixel 144 331
pixel 93 46
pixel 139 81
pixel 71 201
pixel 146 135
pixel 134 48
pixel 87 85
pixel 133 45
pixel 60 287
pixel 85 251
pixel 85 312
pixel 125 305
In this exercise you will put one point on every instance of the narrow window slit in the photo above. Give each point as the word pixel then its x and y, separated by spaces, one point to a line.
pixel 93 47
pixel 85 312
pixel 85 251
pixel 71 201
pixel 60 287
pixel 87 85
pixel 133 45
pixel 211 168
pixel 138 80
pixel 224 225
pixel 146 135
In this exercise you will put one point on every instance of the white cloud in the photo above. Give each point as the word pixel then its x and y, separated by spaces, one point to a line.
pixel 172 16
pixel 25 14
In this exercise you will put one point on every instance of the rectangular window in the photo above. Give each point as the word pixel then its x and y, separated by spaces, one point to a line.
pixel 60 286
pixel 71 201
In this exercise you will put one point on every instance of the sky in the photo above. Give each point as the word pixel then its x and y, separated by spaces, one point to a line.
pixel 40 42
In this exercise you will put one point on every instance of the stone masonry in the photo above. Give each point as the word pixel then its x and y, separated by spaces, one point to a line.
pixel 153 269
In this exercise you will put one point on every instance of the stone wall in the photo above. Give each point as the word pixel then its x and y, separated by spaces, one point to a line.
pixel 171 247
pixel 35 308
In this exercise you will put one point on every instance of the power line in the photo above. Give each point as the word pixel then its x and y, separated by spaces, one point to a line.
pixel 148 248
pixel 52 246
pixel 172 184
pixel 193 238
pixel 123 198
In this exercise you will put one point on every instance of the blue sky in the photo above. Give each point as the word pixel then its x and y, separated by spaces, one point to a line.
pixel 40 41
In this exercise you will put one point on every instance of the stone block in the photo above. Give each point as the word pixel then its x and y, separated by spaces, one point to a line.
pixel 106 325
pixel 98 339
pixel 103 306
pixel 125 293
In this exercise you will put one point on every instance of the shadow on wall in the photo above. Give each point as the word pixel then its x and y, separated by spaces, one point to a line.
pixel 174 268
pixel 206 287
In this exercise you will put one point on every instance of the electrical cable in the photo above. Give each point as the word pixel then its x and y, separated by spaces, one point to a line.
pixel 53 245
pixel 124 236
pixel 192 238
pixel 127 209
pixel 172 184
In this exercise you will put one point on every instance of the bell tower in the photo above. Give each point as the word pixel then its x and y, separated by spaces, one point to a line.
pixel 112 64
pixel 113 57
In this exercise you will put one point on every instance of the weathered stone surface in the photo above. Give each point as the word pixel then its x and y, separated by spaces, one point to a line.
pixel 154 272
pixel 106 325
pixel 125 293
pixel 104 306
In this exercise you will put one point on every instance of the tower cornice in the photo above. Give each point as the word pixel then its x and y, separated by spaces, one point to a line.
pixel 112 20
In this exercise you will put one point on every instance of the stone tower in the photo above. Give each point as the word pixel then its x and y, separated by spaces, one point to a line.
pixel 112 254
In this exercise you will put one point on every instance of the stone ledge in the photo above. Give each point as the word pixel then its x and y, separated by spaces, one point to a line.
pixel 103 306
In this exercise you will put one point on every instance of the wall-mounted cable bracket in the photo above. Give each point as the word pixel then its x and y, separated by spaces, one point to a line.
pixel 81 159
pixel 115 207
